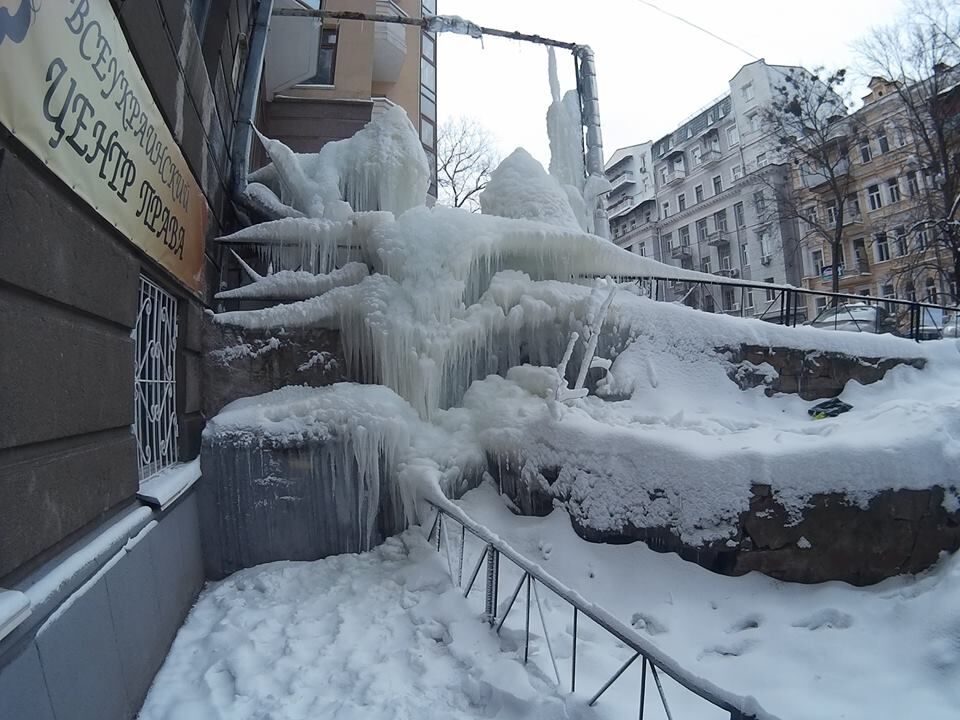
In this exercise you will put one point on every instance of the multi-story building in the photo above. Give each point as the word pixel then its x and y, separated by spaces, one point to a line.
pixel 324 80
pixel 631 202
pixel 886 184
pixel 715 196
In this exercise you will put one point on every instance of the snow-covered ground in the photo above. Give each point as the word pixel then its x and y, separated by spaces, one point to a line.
pixel 383 634
pixel 804 652
pixel 386 634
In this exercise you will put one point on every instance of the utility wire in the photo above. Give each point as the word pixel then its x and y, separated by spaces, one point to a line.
pixel 697 27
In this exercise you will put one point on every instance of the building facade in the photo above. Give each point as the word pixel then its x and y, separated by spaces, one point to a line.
pixel 878 255
pixel 116 127
pixel 631 201
pixel 324 80
pixel 714 201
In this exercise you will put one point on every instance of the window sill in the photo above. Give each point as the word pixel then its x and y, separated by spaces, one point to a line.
pixel 163 488
pixel 14 609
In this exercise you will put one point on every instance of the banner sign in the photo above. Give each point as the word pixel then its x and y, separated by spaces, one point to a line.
pixel 72 93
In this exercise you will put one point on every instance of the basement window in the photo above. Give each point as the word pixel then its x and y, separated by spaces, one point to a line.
pixel 155 381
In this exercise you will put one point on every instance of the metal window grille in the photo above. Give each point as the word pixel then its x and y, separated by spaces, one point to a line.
pixel 155 421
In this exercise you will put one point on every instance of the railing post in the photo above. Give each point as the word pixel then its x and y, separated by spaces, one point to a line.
pixel 643 686
pixel 573 668
pixel 493 571
pixel 526 642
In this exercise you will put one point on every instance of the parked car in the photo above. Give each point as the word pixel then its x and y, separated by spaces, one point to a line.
pixel 855 317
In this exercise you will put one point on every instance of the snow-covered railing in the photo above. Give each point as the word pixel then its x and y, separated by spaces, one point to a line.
pixel 652 658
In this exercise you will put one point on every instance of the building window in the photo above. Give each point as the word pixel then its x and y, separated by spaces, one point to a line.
pixel 882 246
pixel 820 304
pixel 865 153
pixel 759 202
pixel 663 176
pixel 720 220
pixel 900 240
pixel 911 292
pixel 747 91
pixel 816 258
pixel 893 188
pixel 873 193
pixel 882 141
pixel 697 155
pixel 853 206
pixel 666 209
pixel 765 250
pixel 155 380
pixel 698 193
pixel 642 249
pixel 684 235
pixel 832 213
pixel 754 119
pixel 901 136
pixel 733 137
pixel 736 172
pixel 738 215
pixel 681 202
pixel 705 265
pixel 718 184
pixel 931 291
pixel 702 229
pixel 810 215
pixel 428 47
pixel 668 239
pixel 761 160
pixel 326 59
pixel 921 240
pixel 749 297
pixel 771 293
pixel 913 186
pixel 744 255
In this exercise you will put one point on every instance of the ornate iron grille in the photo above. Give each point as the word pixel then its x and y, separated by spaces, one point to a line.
pixel 155 421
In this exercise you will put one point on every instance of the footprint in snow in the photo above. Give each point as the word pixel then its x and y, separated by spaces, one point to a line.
pixel 734 649
pixel 747 622
pixel 828 617
pixel 648 623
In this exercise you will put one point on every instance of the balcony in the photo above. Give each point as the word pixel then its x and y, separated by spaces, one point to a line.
pixel 678 252
pixel 389 44
pixel 818 180
pixel 619 203
pixel 718 238
pixel 675 176
pixel 624 178
pixel 852 218
pixel 710 156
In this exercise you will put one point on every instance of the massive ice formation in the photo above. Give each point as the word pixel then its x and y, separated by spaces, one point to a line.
pixel 520 188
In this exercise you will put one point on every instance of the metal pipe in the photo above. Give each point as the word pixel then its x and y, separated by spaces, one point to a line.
pixel 573 667
pixel 430 23
pixel 513 599
pixel 643 687
pixel 249 96
pixel 590 118
pixel 663 698
pixel 612 680
pixel 476 570
pixel 526 625
pixel 546 633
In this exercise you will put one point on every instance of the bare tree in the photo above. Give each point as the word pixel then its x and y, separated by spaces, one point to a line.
pixel 465 159
pixel 808 125
pixel 920 56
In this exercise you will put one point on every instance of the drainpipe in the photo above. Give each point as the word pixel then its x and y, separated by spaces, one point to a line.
pixel 249 95
pixel 590 111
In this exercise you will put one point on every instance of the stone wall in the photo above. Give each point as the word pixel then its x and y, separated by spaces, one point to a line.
pixel 811 374
pixel 239 363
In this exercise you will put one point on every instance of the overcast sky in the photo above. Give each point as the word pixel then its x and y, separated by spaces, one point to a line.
pixel 653 70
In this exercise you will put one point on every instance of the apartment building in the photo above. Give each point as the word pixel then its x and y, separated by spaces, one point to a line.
pixel 324 81
pixel 714 205
pixel 887 185
pixel 631 201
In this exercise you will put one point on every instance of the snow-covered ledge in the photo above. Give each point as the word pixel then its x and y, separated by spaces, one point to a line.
pixel 162 489
pixel 14 609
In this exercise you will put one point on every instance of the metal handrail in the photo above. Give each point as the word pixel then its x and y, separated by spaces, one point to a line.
pixel 739 707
